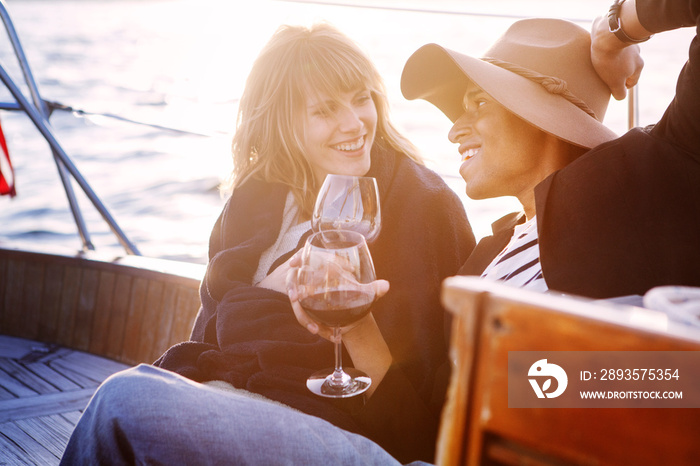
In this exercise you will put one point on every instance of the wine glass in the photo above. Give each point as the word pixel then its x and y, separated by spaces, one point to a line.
pixel 334 288
pixel 348 203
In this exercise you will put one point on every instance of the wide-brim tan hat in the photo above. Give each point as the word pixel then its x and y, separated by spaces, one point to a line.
pixel 540 69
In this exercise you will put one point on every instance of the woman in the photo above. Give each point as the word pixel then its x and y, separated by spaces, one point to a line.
pixel 314 104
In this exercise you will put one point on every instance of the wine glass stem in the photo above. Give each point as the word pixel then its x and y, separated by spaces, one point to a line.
pixel 339 378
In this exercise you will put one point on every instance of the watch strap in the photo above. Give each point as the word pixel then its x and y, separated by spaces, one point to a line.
pixel 615 24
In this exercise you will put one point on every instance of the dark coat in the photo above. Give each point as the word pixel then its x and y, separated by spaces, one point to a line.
pixel 625 216
pixel 248 336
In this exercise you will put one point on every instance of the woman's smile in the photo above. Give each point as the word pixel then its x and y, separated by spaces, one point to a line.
pixel 350 146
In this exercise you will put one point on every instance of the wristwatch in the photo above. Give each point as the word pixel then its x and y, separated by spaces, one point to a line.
pixel 616 26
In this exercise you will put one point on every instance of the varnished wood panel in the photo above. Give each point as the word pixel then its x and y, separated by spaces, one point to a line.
pixel 50 302
pixel 150 319
pixel 33 274
pixel 479 428
pixel 128 310
pixel 133 327
pixel 164 336
pixel 67 305
pixel 602 436
pixel 3 287
pixel 182 326
pixel 85 310
pixel 100 319
pixel 117 317
pixel 12 323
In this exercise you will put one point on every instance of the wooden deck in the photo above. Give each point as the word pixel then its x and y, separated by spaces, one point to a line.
pixel 66 324
pixel 43 390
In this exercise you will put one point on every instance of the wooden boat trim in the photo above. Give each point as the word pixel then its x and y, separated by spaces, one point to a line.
pixel 129 309
pixel 492 320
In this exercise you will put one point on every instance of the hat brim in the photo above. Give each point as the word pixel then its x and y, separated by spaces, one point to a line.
pixel 440 76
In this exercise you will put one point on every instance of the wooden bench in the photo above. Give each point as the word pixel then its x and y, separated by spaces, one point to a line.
pixel 478 427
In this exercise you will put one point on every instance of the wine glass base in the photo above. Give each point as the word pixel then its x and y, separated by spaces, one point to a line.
pixel 320 383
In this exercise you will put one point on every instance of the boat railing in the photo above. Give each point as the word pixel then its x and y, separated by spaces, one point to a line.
pixel 38 112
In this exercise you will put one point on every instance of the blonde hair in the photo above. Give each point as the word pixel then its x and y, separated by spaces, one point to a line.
pixel 297 60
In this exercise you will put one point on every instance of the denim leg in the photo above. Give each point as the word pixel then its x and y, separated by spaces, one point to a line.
pixel 146 415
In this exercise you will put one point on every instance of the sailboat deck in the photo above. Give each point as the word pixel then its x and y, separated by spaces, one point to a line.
pixel 43 390
pixel 64 324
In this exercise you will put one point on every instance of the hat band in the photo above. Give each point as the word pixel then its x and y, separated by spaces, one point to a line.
pixel 552 84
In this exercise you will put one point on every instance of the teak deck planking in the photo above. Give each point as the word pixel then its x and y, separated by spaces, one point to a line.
pixel 66 324
pixel 43 390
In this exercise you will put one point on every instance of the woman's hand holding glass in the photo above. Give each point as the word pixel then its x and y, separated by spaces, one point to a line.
pixel 377 288
pixel 332 285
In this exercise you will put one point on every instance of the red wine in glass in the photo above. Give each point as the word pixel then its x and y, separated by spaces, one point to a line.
pixel 338 308
pixel 334 287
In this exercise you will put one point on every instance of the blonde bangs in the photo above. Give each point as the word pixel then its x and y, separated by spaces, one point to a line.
pixel 323 69
pixel 299 63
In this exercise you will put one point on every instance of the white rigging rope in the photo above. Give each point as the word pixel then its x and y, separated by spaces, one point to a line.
pixel 421 10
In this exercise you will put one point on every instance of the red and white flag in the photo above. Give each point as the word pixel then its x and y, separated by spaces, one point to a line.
pixel 7 173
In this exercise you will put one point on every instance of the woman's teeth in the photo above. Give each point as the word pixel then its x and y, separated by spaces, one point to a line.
pixel 469 153
pixel 351 146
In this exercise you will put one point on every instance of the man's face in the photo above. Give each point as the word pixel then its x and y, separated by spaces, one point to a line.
pixel 502 154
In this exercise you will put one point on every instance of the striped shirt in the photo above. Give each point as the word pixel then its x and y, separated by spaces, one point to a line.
pixel 519 262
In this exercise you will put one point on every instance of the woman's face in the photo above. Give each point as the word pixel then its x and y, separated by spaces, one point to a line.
pixel 339 133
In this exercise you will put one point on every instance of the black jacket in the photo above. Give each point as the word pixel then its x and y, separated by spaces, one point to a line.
pixel 625 216
pixel 248 336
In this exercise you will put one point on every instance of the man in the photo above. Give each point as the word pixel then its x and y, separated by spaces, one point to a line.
pixel 602 216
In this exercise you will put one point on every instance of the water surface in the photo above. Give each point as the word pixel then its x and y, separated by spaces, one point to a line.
pixel 182 64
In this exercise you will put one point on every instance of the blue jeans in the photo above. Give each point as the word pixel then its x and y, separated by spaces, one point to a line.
pixel 146 415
